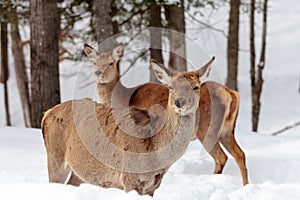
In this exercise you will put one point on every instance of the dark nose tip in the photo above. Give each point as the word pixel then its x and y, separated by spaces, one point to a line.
pixel 98 73
pixel 180 102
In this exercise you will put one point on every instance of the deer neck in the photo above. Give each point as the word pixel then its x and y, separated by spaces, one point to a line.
pixel 170 143
pixel 181 123
pixel 106 90
pixel 178 129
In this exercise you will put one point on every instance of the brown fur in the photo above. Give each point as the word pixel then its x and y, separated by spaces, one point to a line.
pixel 211 132
pixel 76 132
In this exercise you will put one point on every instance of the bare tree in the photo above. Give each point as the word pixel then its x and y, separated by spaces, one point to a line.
pixel 252 46
pixel 155 36
pixel 103 24
pixel 256 74
pixel 233 45
pixel 176 21
pixel 44 26
pixel 20 67
pixel 4 73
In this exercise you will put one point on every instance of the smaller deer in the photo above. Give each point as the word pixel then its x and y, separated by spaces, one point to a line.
pixel 85 137
pixel 108 85
pixel 106 72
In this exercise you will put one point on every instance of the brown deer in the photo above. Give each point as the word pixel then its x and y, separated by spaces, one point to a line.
pixel 86 137
pixel 218 106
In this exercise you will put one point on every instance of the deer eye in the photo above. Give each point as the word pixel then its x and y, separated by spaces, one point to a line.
pixel 196 88
pixel 110 64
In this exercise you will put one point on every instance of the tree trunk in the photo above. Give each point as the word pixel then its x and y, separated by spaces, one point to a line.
pixel 252 60
pixel 103 25
pixel 20 68
pixel 7 115
pixel 252 45
pixel 115 24
pixel 4 73
pixel 252 64
pixel 259 82
pixel 233 45
pixel 155 36
pixel 176 21
pixel 44 26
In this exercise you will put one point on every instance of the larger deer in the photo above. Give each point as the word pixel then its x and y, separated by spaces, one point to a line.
pixel 78 136
pixel 218 106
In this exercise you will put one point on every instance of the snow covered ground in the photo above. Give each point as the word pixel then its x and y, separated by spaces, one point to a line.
pixel 273 161
pixel 273 164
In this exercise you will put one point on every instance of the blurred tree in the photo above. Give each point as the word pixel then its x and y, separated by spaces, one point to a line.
pixel 135 14
pixel 176 21
pixel 103 24
pixel 252 46
pixel 20 66
pixel 299 86
pixel 155 35
pixel 4 73
pixel 71 36
pixel 44 26
pixel 256 74
pixel 233 45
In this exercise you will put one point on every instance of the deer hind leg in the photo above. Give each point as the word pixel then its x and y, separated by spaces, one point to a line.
pixel 220 158
pixel 58 170
pixel 216 153
pixel 74 180
pixel 214 149
pixel 228 141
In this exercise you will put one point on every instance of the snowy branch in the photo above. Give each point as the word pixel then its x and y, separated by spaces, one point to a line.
pixel 286 128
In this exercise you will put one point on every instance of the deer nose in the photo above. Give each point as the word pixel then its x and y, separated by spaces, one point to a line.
pixel 180 102
pixel 98 72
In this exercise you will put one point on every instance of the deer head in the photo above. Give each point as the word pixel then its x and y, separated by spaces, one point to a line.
pixel 105 64
pixel 184 87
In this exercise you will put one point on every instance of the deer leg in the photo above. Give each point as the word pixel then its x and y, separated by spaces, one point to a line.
pixel 209 131
pixel 58 171
pixel 220 158
pixel 229 142
pixel 216 153
pixel 74 180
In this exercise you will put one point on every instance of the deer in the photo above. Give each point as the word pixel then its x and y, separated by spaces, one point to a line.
pixel 218 106
pixel 85 137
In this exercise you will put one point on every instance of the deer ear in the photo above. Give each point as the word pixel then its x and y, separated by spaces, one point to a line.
pixel 118 52
pixel 161 72
pixel 204 71
pixel 90 52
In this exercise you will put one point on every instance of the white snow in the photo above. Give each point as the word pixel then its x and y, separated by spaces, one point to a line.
pixel 273 161
pixel 273 164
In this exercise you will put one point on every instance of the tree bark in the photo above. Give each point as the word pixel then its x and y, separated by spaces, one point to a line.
pixel 103 24
pixel 176 21
pixel 115 24
pixel 260 67
pixel 252 45
pixel 233 45
pixel 20 68
pixel 155 36
pixel 4 73
pixel 44 26
pixel 7 115
pixel 252 61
